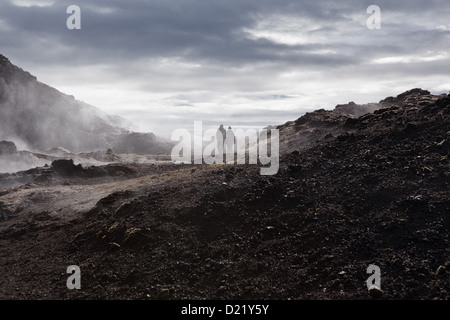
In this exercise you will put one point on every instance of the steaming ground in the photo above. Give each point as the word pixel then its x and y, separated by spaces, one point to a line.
pixel 25 160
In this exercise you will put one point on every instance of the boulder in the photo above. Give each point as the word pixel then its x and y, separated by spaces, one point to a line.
pixel 66 167
pixel 375 292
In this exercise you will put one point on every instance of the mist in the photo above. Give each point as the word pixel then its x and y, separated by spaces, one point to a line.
pixel 39 119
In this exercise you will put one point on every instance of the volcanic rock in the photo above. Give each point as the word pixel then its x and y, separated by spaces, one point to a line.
pixel 66 167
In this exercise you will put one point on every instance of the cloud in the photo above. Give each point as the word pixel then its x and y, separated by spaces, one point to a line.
pixel 190 60
pixel 429 57
pixel 32 3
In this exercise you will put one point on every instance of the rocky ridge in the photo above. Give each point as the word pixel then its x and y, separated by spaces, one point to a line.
pixel 322 123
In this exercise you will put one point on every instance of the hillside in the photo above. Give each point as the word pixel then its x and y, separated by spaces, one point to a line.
pixel 374 191
pixel 319 124
pixel 37 117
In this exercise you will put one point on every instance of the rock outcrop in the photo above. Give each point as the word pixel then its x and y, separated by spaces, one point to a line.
pixel 345 118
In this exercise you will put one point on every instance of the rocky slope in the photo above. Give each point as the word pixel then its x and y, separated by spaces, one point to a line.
pixel 316 125
pixel 374 191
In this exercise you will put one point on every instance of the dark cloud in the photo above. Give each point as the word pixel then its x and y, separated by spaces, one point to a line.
pixel 260 47
pixel 209 31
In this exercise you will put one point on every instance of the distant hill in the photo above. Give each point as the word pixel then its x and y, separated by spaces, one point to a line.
pixel 40 117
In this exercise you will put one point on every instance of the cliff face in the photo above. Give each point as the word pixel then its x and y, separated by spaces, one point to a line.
pixel 37 116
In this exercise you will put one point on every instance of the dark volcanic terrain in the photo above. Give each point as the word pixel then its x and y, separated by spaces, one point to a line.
pixel 367 188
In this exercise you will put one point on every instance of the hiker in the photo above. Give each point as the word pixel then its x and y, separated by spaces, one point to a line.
pixel 230 143
pixel 221 135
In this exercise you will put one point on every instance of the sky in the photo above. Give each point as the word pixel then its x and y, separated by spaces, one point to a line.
pixel 164 64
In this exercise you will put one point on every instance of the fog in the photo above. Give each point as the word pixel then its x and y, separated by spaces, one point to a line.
pixel 38 118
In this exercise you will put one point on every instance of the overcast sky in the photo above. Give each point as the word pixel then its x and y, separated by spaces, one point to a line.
pixel 245 63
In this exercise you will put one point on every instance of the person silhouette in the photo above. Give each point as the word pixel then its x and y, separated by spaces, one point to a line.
pixel 221 135
pixel 230 144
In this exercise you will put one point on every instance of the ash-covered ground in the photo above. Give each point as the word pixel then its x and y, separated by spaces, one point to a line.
pixel 363 189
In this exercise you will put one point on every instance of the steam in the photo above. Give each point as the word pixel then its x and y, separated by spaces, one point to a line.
pixel 39 119
pixel 19 162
